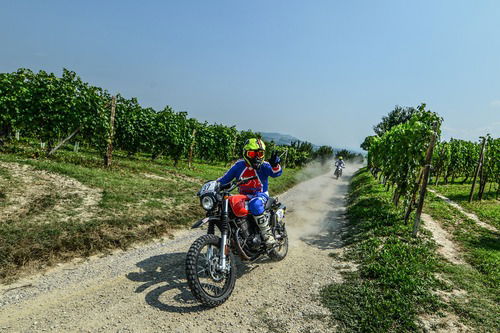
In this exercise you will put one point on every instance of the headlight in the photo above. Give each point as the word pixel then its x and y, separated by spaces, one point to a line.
pixel 207 202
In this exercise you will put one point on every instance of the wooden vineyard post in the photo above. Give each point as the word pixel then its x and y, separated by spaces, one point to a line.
pixel 283 165
pixel 191 148
pixel 60 144
pixel 483 179
pixel 438 173
pixel 232 150
pixel 235 154
pixel 413 196
pixel 109 150
pixel 478 167
pixel 425 180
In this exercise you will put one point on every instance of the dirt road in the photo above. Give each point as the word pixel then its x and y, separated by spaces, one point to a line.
pixel 144 289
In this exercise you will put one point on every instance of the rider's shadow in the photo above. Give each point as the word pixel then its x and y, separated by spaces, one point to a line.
pixel 164 282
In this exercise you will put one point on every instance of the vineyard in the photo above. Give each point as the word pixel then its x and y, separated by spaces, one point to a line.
pixel 465 160
pixel 440 272
pixel 51 111
pixel 406 154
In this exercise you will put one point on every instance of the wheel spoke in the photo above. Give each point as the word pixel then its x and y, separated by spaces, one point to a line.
pixel 203 270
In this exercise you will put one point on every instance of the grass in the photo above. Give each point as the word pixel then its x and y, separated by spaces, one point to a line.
pixel 481 280
pixel 395 280
pixel 141 200
pixel 5 178
pixel 400 277
pixel 488 210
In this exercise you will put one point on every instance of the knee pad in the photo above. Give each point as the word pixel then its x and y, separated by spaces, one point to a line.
pixel 256 205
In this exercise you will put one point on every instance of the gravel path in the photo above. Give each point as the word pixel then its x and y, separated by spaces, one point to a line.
pixel 144 289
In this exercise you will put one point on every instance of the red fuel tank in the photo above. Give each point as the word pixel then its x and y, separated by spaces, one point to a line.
pixel 238 205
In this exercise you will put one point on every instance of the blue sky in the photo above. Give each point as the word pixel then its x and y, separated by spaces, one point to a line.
pixel 323 71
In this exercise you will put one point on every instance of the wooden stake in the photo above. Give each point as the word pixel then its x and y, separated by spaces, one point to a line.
pixel 440 169
pixel 425 180
pixel 109 150
pixel 414 196
pixel 476 172
pixel 285 159
pixel 60 144
pixel 192 148
pixel 483 179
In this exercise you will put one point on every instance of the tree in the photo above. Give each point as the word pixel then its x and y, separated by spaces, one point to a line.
pixel 367 142
pixel 397 116
pixel 323 154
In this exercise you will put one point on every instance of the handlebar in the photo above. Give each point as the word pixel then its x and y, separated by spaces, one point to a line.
pixel 235 184
pixel 245 180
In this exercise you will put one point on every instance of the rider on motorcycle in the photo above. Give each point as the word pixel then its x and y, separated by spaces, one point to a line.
pixel 340 162
pixel 253 164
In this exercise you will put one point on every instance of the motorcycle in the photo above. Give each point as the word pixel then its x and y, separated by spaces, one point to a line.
pixel 338 172
pixel 210 261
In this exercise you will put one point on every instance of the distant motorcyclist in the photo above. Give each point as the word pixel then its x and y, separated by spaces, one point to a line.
pixel 253 164
pixel 339 165
pixel 340 162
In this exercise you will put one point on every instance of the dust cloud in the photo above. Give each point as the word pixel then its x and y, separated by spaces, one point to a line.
pixel 316 208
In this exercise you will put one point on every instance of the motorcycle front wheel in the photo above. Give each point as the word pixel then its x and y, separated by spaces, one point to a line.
pixel 209 285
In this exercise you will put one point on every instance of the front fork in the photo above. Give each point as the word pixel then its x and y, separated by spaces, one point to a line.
pixel 224 234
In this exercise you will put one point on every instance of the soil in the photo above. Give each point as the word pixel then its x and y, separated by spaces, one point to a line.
pixel 446 247
pixel 449 250
pixel 42 196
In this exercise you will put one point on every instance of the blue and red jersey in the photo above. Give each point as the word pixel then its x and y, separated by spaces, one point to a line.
pixel 240 169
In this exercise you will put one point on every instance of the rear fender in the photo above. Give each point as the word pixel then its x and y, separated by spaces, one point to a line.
pixel 278 207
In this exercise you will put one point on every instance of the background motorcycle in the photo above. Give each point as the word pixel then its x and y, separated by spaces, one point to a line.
pixel 338 172
pixel 210 261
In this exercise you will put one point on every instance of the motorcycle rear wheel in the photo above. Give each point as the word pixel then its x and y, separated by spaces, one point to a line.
pixel 209 286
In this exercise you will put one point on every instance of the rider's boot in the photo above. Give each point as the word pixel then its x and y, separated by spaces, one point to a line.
pixel 265 229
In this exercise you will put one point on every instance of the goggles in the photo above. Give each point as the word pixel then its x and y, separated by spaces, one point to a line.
pixel 255 153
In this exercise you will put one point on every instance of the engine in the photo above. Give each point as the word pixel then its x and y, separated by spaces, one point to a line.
pixel 249 237
pixel 243 225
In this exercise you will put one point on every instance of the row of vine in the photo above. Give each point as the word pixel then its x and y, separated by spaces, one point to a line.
pixel 50 108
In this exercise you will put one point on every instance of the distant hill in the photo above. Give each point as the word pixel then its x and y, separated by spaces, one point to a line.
pixel 278 138
pixel 283 139
pixel 286 139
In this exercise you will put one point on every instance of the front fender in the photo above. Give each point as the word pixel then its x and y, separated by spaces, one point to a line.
pixel 203 221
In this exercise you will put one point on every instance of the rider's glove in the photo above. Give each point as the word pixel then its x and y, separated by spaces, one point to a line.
pixel 221 187
pixel 275 159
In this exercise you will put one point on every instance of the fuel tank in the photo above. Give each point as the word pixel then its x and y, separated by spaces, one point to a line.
pixel 239 205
